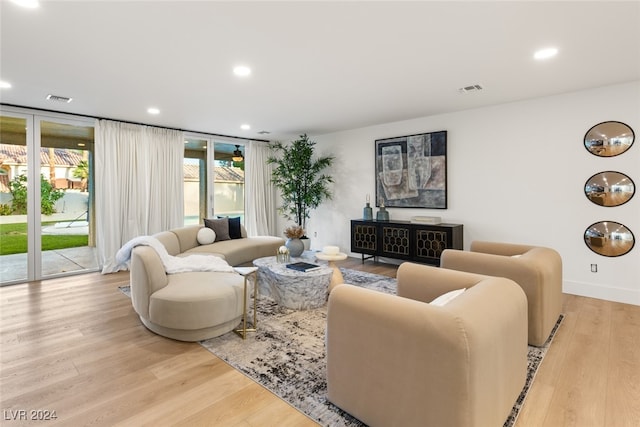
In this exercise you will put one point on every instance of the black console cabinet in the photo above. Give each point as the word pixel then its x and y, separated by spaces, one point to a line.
pixel 404 240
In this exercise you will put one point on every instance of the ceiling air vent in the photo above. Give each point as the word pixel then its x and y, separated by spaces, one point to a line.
pixel 264 132
pixel 57 98
pixel 472 88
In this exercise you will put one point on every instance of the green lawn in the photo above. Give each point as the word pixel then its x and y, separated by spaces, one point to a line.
pixel 13 240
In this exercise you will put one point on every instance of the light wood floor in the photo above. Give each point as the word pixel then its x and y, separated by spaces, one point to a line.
pixel 75 346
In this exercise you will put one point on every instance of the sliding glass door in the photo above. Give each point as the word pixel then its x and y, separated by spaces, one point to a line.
pixel 195 180
pixel 46 202
pixel 67 226
pixel 228 196
pixel 213 179
pixel 16 234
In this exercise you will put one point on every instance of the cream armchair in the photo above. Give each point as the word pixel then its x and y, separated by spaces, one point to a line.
pixel 538 270
pixel 399 361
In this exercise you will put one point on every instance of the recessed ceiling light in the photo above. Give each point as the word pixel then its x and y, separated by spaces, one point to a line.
pixel 545 53
pixel 242 71
pixel 245 127
pixel 153 110
pixel 31 4
pixel 5 85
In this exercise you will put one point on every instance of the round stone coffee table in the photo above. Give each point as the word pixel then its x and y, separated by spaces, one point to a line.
pixel 290 288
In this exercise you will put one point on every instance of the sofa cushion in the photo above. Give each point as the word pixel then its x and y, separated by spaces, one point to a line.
pixel 444 299
pixel 240 251
pixel 235 231
pixel 220 226
pixel 196 300
pixel 206 236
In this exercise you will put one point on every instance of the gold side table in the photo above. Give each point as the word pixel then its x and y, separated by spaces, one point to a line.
pixel 246 272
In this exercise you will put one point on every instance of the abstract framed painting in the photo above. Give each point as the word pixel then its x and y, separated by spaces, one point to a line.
pixel 411 171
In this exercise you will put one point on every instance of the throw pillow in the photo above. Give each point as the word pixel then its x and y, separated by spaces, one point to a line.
pixel 220 226
pixel 206 236
pixel 235 232
pixel 446 298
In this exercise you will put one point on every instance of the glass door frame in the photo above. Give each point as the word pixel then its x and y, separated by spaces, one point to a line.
pixel 208 159
pixel 33 203
pixel 230 143
pixel 34 119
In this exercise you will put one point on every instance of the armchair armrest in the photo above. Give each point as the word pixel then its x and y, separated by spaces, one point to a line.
pixel 516 269
pixel 498 248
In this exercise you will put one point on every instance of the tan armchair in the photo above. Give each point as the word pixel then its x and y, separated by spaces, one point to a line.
pixel 398 361
pixel 538 270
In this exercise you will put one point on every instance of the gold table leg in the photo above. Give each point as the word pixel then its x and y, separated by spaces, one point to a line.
pixel 244 329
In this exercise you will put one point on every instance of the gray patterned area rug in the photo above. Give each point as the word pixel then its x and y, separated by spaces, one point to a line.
pixel 287 354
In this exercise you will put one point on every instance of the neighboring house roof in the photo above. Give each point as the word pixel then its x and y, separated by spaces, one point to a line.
pixel 223 173
pixel 229 174
pixel 191 172
pixel 17 154
pixel 13 154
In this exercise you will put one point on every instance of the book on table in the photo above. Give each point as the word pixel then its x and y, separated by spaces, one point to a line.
pixel 304 266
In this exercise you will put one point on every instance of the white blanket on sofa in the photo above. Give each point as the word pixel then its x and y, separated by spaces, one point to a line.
pixel 174 264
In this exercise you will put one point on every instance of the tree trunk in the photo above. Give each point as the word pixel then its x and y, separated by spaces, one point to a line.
pixel 52 166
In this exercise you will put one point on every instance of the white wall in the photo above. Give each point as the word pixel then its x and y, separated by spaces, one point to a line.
pixel 516 173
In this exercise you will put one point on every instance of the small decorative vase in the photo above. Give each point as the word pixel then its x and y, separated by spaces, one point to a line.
pixel 282 258
pixel 295 246
pixel 367 213
pixel 382 214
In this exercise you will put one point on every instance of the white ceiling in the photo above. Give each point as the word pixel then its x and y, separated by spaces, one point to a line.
pixel 318 67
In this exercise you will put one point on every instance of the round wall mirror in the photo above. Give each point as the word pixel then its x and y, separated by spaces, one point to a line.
pixel 609 188
pixel 608 139
pixel 609 238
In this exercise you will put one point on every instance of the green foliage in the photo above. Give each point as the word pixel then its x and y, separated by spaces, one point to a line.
pixel 239 165
pixel 82 170
pixel 48 195
pixel 5 209
pixel 299 178
pixel 18 188
pixel 13 240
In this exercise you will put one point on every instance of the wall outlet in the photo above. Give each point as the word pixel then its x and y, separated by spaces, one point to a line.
pixel 594 268
pixel 315 234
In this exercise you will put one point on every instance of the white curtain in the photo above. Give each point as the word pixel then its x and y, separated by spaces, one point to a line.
pixel 260 203
pixel 139 184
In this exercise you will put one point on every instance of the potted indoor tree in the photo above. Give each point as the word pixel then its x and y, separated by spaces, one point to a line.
pixel 300 178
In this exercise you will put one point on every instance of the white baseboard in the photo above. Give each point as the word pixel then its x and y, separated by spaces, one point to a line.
pixel 608 293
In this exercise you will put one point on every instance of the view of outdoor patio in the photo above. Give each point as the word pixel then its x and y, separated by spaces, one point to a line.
pixel 66 229
pixel 64 198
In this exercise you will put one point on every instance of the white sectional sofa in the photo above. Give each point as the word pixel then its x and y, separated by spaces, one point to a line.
pixel 193 306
